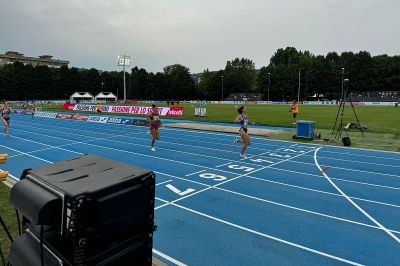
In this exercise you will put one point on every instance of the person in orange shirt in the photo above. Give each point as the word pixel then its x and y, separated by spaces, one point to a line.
pixel 99 108
pixel 295 110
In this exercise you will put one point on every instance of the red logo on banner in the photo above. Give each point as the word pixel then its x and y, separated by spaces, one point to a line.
pixel 175 111
pixel 69 106
pixel 80 117
pixel 64 116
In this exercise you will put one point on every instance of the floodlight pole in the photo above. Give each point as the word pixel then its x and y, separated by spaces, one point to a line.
pixel 298 91
pixel 124 85
pixel 342 83
pixel 269 83
pixel 222 88
pixel 124 60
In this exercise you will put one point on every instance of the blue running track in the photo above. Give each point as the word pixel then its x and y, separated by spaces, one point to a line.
pixel 287 204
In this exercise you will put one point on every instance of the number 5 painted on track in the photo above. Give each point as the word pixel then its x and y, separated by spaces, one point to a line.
pixel 240 167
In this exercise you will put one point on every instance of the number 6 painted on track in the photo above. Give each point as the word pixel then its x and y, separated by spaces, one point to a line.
pixel 212 176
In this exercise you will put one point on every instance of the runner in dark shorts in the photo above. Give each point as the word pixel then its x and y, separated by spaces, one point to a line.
pixel 154 119
pixel 6 118
pixel 243 119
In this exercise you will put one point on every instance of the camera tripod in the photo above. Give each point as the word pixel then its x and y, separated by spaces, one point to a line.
pixel 340 126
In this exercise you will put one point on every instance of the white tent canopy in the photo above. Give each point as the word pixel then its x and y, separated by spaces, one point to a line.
pixel 106 96
pixel 81 96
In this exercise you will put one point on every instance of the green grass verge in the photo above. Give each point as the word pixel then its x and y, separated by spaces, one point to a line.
pixel 7 212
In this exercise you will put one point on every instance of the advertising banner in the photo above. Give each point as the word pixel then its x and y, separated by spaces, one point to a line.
pixel 135 110
pixel 46 114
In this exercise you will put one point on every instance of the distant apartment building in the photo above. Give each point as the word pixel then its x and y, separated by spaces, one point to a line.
pixel 11 57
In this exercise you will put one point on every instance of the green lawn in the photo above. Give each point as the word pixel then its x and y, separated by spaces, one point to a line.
pixel 9 216
pixel 383 122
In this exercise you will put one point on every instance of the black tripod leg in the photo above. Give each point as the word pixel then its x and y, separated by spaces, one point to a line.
pixel 340 126
pixel 358 121
pixel 337 116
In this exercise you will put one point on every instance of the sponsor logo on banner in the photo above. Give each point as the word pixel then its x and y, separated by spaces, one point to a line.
pixel 64 116
pixel 46 114
pixel 85 108
pixel 80 117
pixel 123 121
pixel 22 112
pixel 69 106
pixel 175 111
pixel 98 119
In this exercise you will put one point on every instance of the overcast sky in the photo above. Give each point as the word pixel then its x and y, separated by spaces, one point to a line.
pixel 198 34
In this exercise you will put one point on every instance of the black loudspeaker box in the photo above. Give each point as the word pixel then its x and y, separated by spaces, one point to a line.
pixel 346 141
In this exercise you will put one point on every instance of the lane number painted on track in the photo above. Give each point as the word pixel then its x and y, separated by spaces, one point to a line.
pixel 279 155
pixel 212 176
pixel 291 150
pixel 180 193
pixel 260 161
pixel 241 167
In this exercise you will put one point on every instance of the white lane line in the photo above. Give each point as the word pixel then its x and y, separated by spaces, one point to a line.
pixel 340 179
pixel 224 151
pixel 125 151
pixel 267 236
pixel 198 172
pixel 351 201
pixel 161 183
pixel 230 162
pixel 208 187
pixel 184 179
pixel 320 191
pixel 284 205
pixel 64 145
pixel 30 155
pixel 170 259
pixel 359 162
pixel 347 169
pixel 223 164
pixel 139 138
pixel 301 209
pixel 165 201
pixel 227 181
pixel 41 143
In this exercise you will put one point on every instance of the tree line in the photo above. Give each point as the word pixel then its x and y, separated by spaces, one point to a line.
pixel 279 79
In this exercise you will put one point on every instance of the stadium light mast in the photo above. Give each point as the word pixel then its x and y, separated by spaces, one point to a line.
pixel 269 82
pixel 342 83
pixel 222 88
pixel 124 60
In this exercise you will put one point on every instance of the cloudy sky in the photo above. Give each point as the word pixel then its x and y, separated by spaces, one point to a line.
pixel 198 34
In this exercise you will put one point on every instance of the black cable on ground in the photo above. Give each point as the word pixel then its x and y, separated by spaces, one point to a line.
pixel 2 256
pixel 19 223
pixel 6 229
